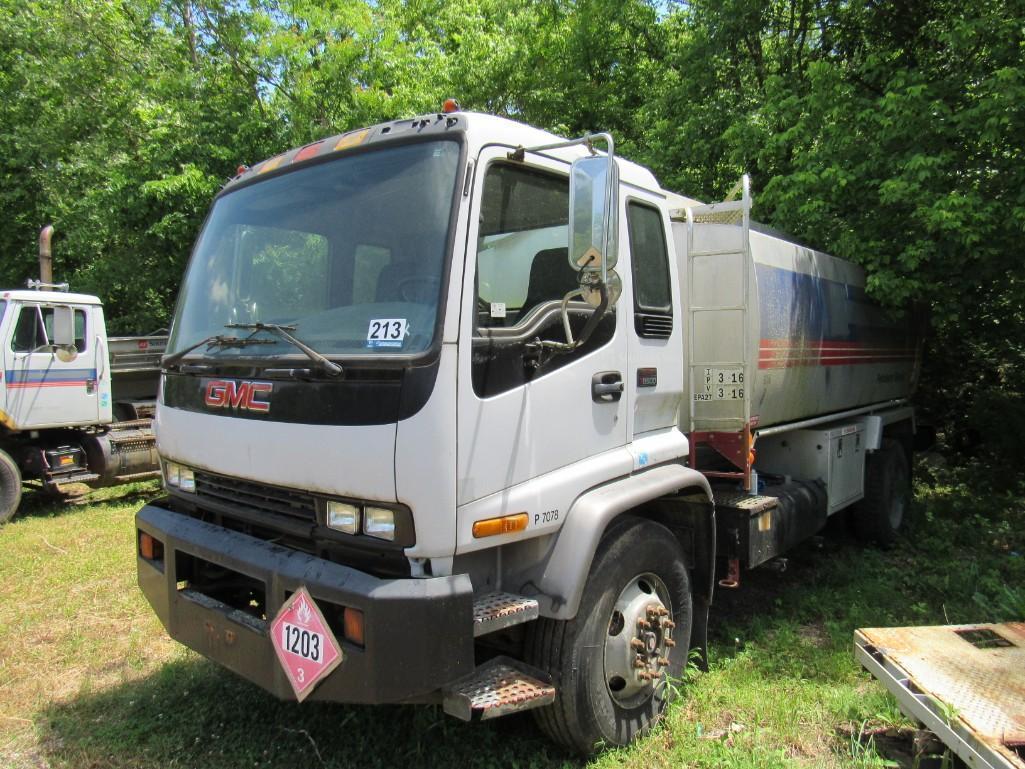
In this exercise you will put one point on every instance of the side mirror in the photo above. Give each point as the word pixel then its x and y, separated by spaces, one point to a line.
pixel 64 333
pixel 594 224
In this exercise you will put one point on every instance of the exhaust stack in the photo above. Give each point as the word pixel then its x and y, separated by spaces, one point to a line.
pixel 45 256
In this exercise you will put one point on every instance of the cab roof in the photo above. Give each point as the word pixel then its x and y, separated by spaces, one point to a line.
pixel 47 297
pixel 479 130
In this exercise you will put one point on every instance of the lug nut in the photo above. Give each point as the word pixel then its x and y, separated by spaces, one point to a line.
pixel 643 624
pixel 639 663
pixel 637 643
pixel 663 661
pixel 669 642
pixel 663 611
pixel 668 623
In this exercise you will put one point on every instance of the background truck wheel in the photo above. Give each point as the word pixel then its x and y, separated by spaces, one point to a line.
pixel 10 487
pixel 615 664
pixel 878 517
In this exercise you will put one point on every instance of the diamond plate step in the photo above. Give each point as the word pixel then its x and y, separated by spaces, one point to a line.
pixel 497 688
pixel 495 611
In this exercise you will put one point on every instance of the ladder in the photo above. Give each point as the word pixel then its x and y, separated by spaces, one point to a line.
pixel 718 330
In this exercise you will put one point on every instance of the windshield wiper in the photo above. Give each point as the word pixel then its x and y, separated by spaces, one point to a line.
pixel 217 340
pixel 331 367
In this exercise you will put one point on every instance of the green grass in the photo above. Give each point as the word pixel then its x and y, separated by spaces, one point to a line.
pixel 89 679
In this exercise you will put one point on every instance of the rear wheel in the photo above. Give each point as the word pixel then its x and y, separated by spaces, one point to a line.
pixel 10 487
pixel 616 663
pixel 879 516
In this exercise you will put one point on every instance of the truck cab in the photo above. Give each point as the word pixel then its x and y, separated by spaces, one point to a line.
pixel 44 386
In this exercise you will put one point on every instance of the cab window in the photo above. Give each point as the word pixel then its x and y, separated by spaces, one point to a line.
pixel 34 329
pixel 522 245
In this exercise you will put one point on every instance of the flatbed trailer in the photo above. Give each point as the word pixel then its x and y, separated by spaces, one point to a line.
pixel 965 683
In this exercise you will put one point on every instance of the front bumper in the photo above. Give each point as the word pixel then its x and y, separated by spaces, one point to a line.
pixel 418 632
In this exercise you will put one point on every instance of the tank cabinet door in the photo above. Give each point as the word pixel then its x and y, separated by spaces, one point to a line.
pixel 46 385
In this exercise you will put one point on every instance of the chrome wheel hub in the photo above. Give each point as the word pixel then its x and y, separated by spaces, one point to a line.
pixel 639 640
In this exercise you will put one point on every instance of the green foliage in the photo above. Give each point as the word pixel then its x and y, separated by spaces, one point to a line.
pixel 887 133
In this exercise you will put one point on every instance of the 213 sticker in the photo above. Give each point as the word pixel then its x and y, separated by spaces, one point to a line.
pixel 387 332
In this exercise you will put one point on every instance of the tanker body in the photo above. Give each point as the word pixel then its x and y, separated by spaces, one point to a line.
pixel 795 322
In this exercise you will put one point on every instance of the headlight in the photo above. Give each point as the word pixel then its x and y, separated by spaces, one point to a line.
pixel 379 522
pixel 172 474
pixel 179 477
pixel 343 517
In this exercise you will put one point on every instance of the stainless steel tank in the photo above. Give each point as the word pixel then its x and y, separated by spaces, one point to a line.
pixel 778 332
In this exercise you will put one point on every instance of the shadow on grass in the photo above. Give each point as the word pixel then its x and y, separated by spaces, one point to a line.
pixel 36 503
pixel 192 713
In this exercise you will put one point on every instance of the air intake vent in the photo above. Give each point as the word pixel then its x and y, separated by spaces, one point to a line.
pixel 654 326
pixel 255 496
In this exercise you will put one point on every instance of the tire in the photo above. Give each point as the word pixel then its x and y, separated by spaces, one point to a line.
pixel 10 487
pixel 601 699
pixel 879 516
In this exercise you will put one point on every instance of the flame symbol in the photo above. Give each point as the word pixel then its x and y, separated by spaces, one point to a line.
pixel 304 614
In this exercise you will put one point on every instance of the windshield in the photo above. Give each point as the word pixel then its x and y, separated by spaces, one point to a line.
pixel 348 255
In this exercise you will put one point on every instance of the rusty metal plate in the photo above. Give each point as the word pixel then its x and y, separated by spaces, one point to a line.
pixel 974 674
pixel 497 688
pixel 496 611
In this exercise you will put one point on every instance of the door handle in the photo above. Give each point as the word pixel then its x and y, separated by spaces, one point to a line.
pixel 606 387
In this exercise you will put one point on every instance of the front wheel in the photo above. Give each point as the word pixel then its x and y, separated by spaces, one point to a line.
pixel 10 487
pixel 615 664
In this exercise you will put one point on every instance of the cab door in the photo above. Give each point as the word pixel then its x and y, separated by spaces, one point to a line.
pixel 42 389
pixel 529 418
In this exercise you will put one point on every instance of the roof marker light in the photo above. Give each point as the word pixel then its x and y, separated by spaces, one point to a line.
pixel 451 105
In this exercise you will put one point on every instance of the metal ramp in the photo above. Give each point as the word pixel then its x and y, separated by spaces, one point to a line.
pixel 966 683
pixel 718 293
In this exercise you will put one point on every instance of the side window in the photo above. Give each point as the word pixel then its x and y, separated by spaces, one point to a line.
pixel 522 244
pixel 650 259
pixel 522 264
pixel 34 329
pixel 29 333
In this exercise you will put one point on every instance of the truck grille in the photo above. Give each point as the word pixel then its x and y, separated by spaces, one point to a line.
pixel 256 496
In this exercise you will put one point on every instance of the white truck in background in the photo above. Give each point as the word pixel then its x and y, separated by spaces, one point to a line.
pixel 76 406
pixel 457 411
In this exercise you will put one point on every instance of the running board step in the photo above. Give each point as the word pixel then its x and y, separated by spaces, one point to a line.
pixel 497 688
pixel 496 611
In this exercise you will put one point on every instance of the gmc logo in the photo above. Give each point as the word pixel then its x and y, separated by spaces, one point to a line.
pixel 226 393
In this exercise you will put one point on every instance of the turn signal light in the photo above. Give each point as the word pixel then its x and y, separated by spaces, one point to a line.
pixel 507 524
pixel 352 625
pixel 150 548
pixel 451 105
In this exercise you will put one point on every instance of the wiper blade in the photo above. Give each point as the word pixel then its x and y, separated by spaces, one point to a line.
pixel 217 340
pixel 283 331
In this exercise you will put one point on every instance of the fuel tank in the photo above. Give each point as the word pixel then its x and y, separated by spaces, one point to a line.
pixel 777 331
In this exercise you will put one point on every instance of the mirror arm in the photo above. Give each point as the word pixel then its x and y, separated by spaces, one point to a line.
pixel 587 140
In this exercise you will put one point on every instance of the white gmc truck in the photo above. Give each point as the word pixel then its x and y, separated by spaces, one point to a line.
pixel 456 411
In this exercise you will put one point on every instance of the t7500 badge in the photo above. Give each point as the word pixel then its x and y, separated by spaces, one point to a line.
pixel 242 396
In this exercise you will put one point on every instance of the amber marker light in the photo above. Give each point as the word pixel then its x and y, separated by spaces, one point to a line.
pixel 150 548
pixel 352 625
pixel 507 524
pixel 450 105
